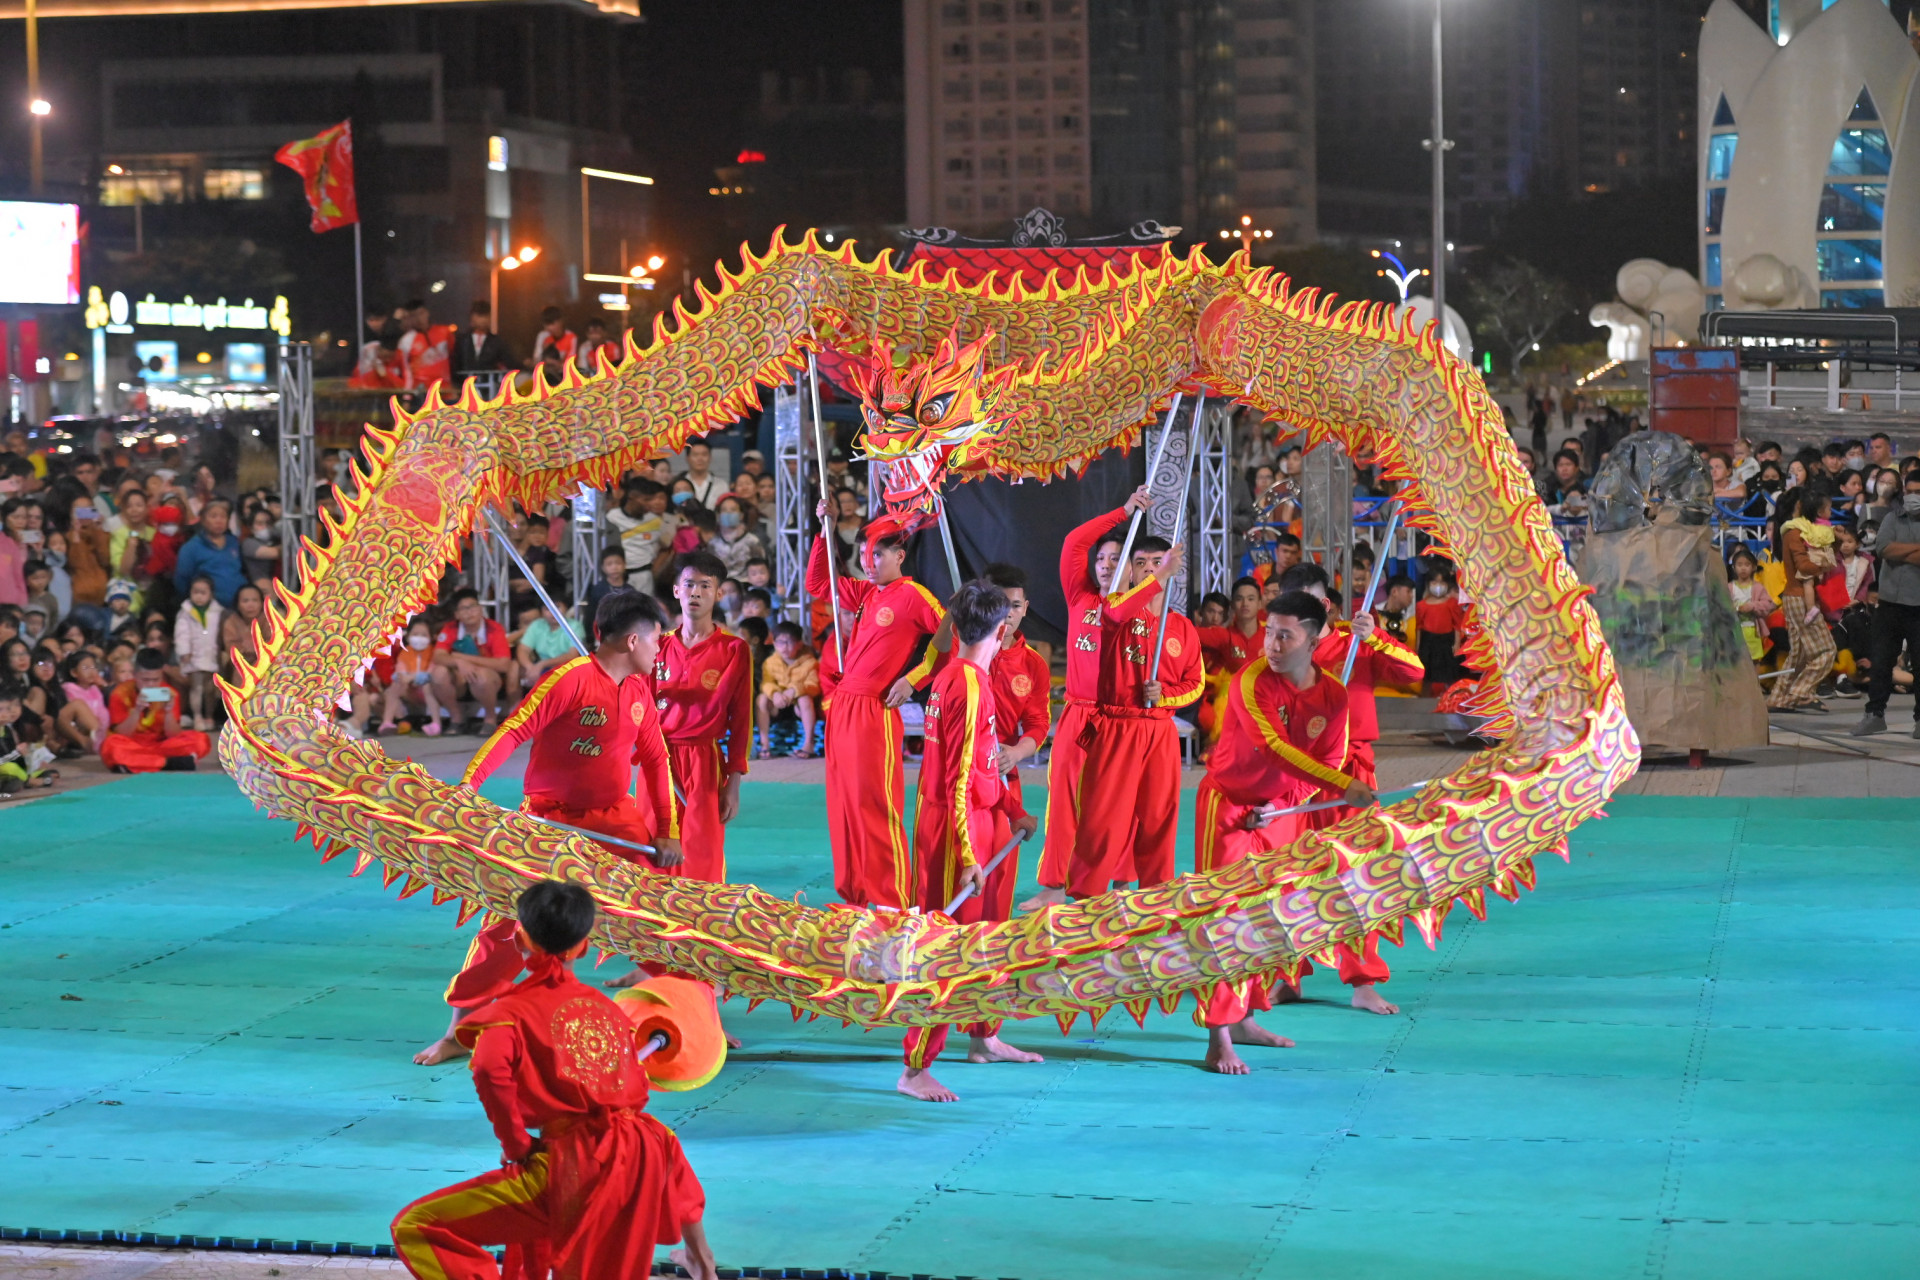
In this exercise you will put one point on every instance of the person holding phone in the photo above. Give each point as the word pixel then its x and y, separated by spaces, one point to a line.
pixel 144 734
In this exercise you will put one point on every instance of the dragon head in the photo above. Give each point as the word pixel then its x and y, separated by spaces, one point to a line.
pixel 923 416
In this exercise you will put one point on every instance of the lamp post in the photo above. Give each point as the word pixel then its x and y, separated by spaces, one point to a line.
pixel 38 107
pixel 1246 233
pixel 1439 146
pixel 512 262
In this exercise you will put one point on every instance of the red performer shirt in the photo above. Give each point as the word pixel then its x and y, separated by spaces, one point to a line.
pixel 1279 742
pixel 1127 632
pixel 704 692
pixel 153 715
pixel 1022 692
pixel 1227 649
pixel 588 733
pixel 956 773
pixel 889 623
pixel 1082 591
pixel 551 1050
pixel 1383 659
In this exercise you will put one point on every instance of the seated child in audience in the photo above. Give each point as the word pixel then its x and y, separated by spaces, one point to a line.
pixel 82 719
pixel 790 679
pixel 412 682
pixel 23 764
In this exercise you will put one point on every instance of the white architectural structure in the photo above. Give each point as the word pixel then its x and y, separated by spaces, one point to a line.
pixel 1809 158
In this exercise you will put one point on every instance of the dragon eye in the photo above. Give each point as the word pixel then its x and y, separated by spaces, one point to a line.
pixel 935 409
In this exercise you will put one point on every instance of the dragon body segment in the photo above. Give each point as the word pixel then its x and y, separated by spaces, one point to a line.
pixel 1097 356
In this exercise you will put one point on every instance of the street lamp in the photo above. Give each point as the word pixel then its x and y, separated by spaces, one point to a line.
pixel 511 262
pixel 38 107
pixel 1439 145
pixel 1246 233
pixel 1399 272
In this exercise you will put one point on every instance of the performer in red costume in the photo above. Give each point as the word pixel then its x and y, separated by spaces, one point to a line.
pixel 1023 712
pixel 1083 590
pixel 1226 650
pixel 143 718
pixel 1283 740
pixel 703 689
pixel 591 720
pixel 1381 659
pixel 604 1183
pixel 1129 798
pixel 866 781
pixel 963 805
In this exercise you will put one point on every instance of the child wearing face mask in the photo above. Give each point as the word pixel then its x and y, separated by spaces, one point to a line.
pixel 1438 616
pixel 412 683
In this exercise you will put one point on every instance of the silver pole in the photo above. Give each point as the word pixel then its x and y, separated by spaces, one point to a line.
pixel 359 330
pixel 1166 602
pixel 993 866
pixel 1439 184
pixel 827 524
pixel 506 544
pixel 1153 469
pixel 946 542
pixel 1373 585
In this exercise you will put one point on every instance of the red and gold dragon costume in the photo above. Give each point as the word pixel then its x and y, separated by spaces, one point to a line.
pixel 1097 355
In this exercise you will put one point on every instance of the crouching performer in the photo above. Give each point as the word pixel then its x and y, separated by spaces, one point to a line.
pixel 604 1182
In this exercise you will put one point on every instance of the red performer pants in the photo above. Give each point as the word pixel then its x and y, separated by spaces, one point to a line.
pixel 939 882
pixel 593 1206
pixel 1220 839
pixel 149 752
pixel 1364 966
pixel 493 957
pixel 1063 794
pixel 866 813
pixel 697 768
pixel 1129 802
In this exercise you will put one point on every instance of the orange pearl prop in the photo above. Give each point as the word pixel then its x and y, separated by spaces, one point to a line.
pixel 683 1012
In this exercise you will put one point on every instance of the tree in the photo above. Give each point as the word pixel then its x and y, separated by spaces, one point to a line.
pixel 1515 305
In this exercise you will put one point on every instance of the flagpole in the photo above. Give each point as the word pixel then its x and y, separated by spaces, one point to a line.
pixel 359 301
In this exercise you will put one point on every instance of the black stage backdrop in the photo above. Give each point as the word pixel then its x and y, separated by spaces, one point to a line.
pixel 995 520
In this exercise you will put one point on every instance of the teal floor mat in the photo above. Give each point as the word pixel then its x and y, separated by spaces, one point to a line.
pixel 1690 1054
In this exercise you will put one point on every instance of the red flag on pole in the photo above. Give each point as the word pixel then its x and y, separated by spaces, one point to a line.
pixel 325 163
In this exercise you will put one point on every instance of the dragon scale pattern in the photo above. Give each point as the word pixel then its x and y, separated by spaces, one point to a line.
pixel 1098 356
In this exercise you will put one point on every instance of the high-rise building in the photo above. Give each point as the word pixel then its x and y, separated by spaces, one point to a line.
pixel 1195 112
pixel 1542 97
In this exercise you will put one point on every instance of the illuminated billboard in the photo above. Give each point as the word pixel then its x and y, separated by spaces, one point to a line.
pixel 39 253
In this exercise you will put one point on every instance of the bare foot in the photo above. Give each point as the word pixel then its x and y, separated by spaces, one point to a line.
pixel 633 979
pixel 445 1049
pixel 696 1268
pixel 1247 1031
pixel 919 1083
pixel 994 1049
pixel 1045 898
pixel 1285 992
pixel 733 1041
pixel 1220 1055
pixel 1365 997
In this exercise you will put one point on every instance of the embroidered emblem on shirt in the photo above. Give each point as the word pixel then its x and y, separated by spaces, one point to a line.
pixel 1173 646
pixel 593 717
pixel 710 679
pixel 1316 726
pixel 639 714
pixel 591 1045
pixel 1021 686
pixel 884 617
